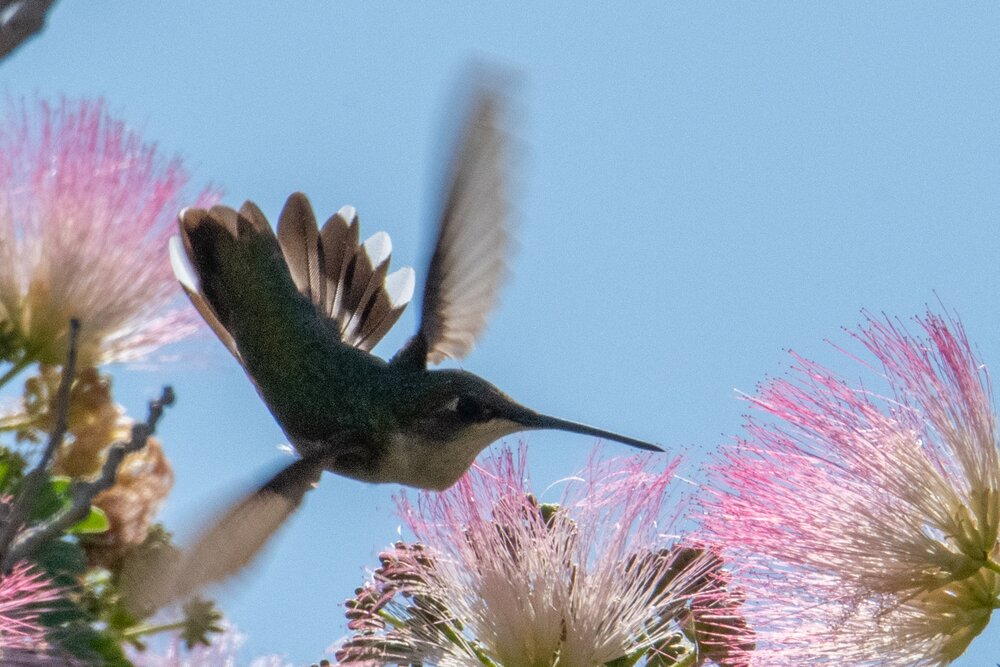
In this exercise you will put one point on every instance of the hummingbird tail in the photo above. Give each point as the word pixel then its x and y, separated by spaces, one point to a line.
pixel 229 544
pixel 237 271
pixel 347 280
pixel 229 264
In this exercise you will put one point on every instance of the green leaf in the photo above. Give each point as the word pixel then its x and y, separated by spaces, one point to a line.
pixel 12 467
pixel 92 646
pixel 5 473
pixel 61 486
pixel 63 561
pixel 52 497
pixel 62 613
pixel 12 344
pixel 95 522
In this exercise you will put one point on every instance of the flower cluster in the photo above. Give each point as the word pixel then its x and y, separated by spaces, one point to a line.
pixel 86 209
pixel 95 423
pixel 499 578
pixel 24 593
pixel 866 525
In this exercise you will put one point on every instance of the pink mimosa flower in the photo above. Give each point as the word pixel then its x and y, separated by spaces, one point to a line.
pixel 86 209
pixel 24 593
pixel 499 578
pixel 867 525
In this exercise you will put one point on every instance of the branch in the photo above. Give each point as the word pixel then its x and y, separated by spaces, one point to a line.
pixel 34 480
pixel 84 492
pixel 19 21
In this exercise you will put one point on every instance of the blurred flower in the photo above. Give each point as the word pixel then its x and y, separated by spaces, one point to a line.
pixel 222 652
pixel 867 526
pixel 95 422
pixel 86 209
pixel 144 479
pixel 500 579
pixel 24 593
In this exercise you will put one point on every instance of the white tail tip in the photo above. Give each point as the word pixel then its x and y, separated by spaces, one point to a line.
pixel 399 285
pixel 181 265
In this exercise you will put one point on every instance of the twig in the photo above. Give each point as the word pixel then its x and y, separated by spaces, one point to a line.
pixel 20 20
pixel 84 491
pixel 33 480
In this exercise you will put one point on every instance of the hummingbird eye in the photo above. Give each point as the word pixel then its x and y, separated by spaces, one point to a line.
pixel 471 409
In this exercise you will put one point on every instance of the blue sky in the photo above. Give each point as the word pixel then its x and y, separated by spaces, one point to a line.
pixel 700 187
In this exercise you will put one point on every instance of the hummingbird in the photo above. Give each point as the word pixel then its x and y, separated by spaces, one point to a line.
pixel 302 308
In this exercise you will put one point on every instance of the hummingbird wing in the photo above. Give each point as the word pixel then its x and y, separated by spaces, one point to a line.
pixel 228 545
pixel 468 263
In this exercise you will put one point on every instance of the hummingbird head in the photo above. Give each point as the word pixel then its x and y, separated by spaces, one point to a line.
pixel 458 416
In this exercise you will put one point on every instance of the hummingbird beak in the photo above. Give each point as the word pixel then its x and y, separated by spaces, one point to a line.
pixel 535 420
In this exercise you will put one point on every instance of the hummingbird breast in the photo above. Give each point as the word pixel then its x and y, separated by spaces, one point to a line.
pixel 427 461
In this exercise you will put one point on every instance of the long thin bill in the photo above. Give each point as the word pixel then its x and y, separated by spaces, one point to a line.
pixel 535 420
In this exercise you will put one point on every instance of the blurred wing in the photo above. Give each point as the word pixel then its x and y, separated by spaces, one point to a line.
pixel 468 263
pixel 229 544
pixel 346 280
